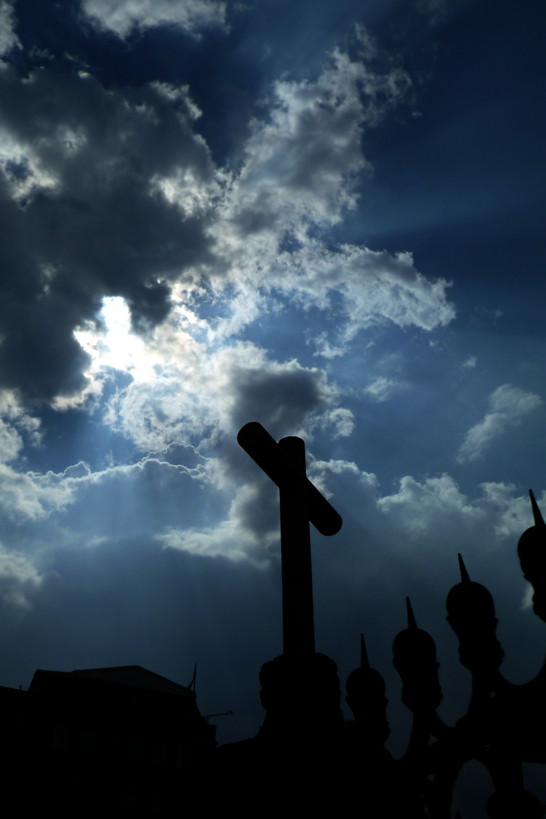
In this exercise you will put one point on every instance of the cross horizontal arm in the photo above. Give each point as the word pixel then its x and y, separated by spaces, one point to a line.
pixel 265 451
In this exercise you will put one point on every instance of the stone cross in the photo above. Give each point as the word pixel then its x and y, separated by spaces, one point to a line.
pixel 300 503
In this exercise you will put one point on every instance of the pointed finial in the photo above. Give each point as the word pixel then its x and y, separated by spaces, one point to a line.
pixel 364 662
pixel 193 680
pixel 462 568
pixel 539 520
pixel 412 623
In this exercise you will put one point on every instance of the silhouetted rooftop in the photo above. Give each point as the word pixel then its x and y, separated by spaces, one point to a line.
pixel 130 675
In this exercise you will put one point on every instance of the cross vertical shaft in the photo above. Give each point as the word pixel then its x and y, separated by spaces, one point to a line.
pixel 300 503
pixel 297 579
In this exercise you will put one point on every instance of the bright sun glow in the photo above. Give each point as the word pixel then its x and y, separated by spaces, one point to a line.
pixel 116 346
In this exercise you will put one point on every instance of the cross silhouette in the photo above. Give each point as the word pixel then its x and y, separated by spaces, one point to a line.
pixel 300 503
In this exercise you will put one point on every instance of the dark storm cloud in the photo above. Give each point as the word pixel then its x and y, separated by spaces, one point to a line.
pixel 84 215
pixel 279 396
pixel 286 398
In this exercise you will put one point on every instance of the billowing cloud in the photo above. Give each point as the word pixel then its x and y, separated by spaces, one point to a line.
pixel 135 266
pixel 210 217
pixel 17 427
pixel 302 160
pixel 339 421
pixel 202 392
pixel 375 287
pixel 470 363
pixel 10 442
pixel 299 177
pixel 424 506
pixel 125 15
pixel 507 406
pixel 232 538
pixel 19 579
pixel 78 508
pixel 381 388
pixel 8 37
pixel 30 497
pixel 111 192
pixel 432 512
pixel 83 215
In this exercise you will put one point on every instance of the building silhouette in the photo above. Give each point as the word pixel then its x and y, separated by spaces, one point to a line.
pixel 102 741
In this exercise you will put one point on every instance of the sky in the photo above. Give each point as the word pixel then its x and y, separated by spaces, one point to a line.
pixel 325 217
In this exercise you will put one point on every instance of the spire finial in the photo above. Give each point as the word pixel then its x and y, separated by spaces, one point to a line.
pixel 193 680
pixel 364 662
pixel 462 568
pixel 539 520
pixel 412 623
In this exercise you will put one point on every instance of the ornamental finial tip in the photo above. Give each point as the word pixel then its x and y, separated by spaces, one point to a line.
pixel 539 520
pixel 364 662
pixel 462 568
pixel 412 623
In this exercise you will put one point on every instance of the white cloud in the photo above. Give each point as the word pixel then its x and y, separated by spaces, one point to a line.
pixel 507 406
pixel 375 286
pixel 15 422
pixel 512 512
pixel 304 156
pixel 302 160
pixel 250 529
pixel 433 512
pixel 433 504
pixel 436 508
pixel 435 519
pixel 340 421
pixel 89 160
pixel 146 222
pixel 121 16
pixel 8 38
pixel 34 497
pixel 42 514
pixel 299 176
pixel 381 388
pixel 355 482
pixel 31 496
pixel 161 498
pixel 200 392
pixel 142 214
pixel 470 363
pixel 18 579
pixel 231 538
pixel 10 442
